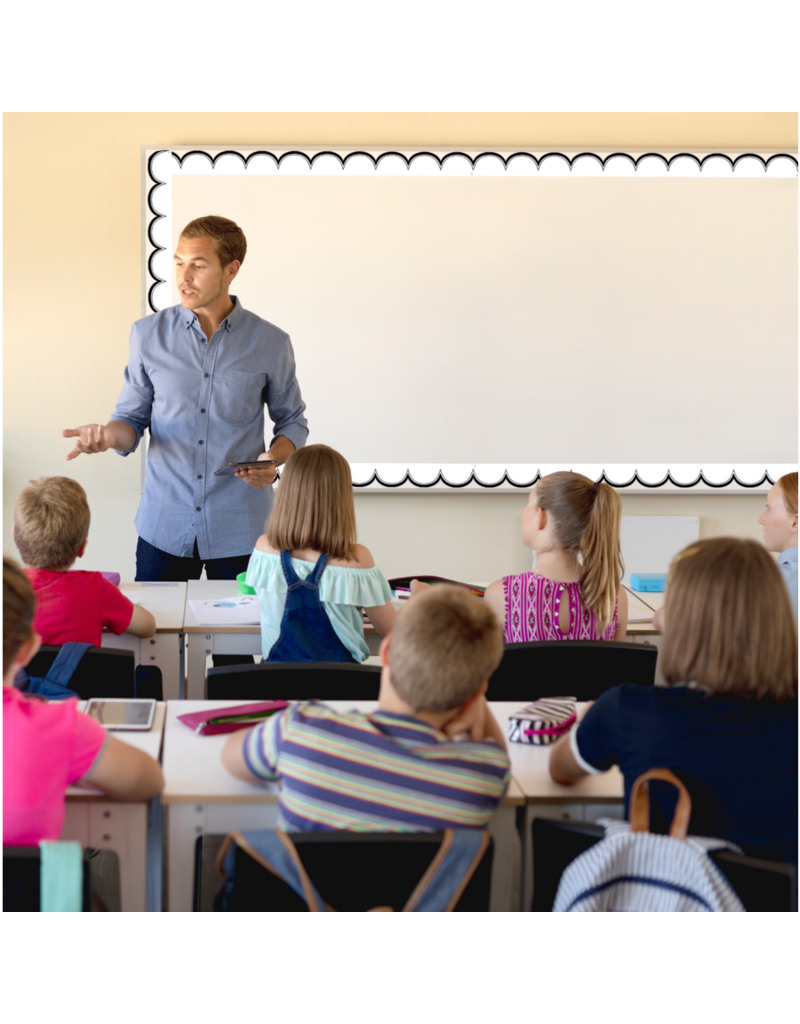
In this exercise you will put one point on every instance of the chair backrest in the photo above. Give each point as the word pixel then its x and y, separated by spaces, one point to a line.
pixel 761 885
pixel 21 879
pixel 289 680
pixel 570 668
pixel 354 871
pixel 102 672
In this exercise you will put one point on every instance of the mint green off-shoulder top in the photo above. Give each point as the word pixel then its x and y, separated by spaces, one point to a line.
pixel 343 593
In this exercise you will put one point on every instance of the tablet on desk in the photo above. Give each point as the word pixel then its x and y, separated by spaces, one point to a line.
pixel 123 714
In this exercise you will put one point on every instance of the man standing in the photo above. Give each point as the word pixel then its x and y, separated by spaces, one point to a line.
pixel 198 376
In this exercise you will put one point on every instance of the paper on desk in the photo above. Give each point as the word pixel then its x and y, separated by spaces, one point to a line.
pixel 228 611
pixel 639 614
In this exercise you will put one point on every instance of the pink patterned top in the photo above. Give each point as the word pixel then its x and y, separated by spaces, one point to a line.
pixel 532 605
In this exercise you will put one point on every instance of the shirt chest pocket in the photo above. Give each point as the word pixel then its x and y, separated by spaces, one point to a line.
pixel 240 395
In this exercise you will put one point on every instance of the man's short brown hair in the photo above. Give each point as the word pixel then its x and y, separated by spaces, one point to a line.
pixel 445 643
pixel 228 236
pixel 729 624
pixel 51 521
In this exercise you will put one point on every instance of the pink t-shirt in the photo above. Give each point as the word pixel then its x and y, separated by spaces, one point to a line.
pixel 46 747
pixel 73 607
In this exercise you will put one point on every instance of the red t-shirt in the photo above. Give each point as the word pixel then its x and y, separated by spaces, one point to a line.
pixel 73 607
pixel 46 747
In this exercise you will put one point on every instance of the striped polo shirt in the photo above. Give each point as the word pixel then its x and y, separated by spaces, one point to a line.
pixel 381 772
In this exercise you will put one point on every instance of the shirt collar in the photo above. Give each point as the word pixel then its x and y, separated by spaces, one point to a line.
pixel 230 321
pixel 788 556
pixel 427 733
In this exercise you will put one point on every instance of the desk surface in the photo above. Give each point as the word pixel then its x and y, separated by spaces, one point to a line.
pixel 167 604
pixel 149 742
pixel 205 590
pixel 193 770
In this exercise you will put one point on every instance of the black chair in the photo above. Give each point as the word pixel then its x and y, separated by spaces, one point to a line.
pixel 761 885
pixel 21 887
pixel 353 871
pixel 103 672
pixel 303 680
pixel 570 668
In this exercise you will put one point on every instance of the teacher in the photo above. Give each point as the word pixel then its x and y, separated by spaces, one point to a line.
pixel 198 376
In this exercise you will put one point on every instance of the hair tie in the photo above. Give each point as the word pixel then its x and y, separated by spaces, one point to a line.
pixel 594 488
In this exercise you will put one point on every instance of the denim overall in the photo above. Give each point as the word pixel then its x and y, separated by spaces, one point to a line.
pixel 306 631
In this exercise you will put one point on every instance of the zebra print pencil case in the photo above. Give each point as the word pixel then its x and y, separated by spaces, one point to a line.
pixel 543 721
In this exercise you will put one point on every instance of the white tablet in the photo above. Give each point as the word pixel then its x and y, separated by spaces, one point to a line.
pixel 122 714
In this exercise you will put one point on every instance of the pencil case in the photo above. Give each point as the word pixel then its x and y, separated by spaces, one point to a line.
pixel 543 721
pixel 211 722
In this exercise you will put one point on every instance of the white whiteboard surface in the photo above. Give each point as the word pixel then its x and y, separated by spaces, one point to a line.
pixel 455 320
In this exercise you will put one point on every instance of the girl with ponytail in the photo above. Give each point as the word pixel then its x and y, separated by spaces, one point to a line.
pixel 575 593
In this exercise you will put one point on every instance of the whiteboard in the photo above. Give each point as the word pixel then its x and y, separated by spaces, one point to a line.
pixel 452 320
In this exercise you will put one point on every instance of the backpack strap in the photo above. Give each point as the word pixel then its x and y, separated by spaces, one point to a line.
pixel 276 852
pixel 65 663
pixel 639 811
pixel 446 878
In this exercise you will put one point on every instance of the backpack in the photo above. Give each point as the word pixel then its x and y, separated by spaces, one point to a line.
pixel 636 870
pixel 439 889
pixel 53 685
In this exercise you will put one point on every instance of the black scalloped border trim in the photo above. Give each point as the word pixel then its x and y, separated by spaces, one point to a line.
pixel 603 478
pixel 408 160
pixel 472 160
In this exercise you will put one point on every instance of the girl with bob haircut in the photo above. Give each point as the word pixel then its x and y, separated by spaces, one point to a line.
pixel 575 593
pixel 311 577
pixel 726 722
pixel 779 520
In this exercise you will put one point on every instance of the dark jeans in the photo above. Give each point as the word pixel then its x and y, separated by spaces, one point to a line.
pixel 156 566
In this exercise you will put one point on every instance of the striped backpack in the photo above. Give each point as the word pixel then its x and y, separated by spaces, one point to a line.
pixel 636 870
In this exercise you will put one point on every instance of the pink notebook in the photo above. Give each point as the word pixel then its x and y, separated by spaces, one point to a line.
pixel 242 716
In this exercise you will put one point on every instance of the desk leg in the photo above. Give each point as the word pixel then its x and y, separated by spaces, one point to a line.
pixel 123 828
pixel 185 822
pixel 198 646
pixel 154 863
pixel 505 891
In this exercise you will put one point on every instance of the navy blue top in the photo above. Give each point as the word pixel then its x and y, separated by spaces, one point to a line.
pixel 737 756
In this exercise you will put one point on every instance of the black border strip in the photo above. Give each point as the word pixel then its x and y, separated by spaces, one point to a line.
pixel 603 478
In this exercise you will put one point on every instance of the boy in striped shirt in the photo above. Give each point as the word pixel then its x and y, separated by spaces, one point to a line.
pixel 431 757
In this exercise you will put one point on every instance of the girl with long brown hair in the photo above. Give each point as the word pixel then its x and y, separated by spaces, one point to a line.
pixel 311 577
pixel 575 593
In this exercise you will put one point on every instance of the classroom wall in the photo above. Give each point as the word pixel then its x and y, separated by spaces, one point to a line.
pixel 72 288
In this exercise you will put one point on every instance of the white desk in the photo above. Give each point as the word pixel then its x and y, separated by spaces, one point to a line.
pixel 131 830
pixel 200 796
pixel 596 796
pixel 165 649
pixel 202 641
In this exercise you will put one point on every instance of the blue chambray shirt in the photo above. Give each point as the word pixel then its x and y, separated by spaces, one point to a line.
pixel 787 563
pixel 204 404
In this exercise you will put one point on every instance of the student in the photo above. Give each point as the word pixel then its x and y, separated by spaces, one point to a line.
pixel 48 747
pixel 780 530
pixel 726 723
pixel 567 597
pixel 401 768
pixel 311 577
pixel 51 529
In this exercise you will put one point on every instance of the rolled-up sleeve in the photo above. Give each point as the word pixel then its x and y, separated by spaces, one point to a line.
pixel 284 401
pixel 135 403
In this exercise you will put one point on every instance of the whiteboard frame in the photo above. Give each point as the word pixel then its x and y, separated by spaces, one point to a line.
pixel 160 163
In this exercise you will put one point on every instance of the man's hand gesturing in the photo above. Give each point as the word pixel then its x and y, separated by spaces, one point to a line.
pixel 91 438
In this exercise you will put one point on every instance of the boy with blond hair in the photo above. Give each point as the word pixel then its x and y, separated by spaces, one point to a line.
pixel 402 768
pixel 51 529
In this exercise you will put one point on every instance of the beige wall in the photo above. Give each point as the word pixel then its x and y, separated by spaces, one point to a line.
pixel 72 287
